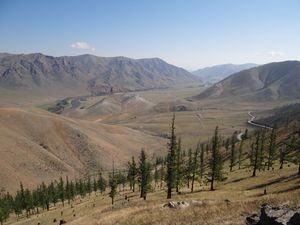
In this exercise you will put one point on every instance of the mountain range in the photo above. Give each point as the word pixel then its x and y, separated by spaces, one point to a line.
pixel 214 74
pixel 273 81
pixel 44 75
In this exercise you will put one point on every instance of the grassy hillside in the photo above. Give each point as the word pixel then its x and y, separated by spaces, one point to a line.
pixel 39 146
pixel 268 82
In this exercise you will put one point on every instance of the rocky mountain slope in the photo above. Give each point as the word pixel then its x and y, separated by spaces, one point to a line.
pixel 41 75
pixel 273 81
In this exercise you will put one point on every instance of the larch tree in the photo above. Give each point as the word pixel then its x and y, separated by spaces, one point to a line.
pixel 240 152
pixel 272 148
pixel 132 174
pixel 216 160
pixel 195 166
pixel 256 152
pixel 232 152
pixel 102 183
pixel 145 174
pixel 171 160
pixel 179 165
pixel 113 185
pixel 189 167
pixel 201 161
pixel 61 191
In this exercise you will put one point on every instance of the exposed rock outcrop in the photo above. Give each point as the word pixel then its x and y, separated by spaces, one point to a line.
pixel 275 215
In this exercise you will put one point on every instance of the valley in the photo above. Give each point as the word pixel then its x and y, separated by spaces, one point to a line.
pixel 81 135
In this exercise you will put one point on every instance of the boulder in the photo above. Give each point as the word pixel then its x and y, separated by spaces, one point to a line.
pixel 252 219
pixel 295 219
pixel 176 205
pixel 275 215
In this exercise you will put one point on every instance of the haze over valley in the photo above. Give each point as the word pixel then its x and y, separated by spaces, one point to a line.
pixel 149 113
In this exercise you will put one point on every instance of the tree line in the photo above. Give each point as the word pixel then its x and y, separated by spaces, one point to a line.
pixel 30 202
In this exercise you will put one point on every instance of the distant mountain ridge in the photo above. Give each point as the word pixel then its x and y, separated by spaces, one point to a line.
pixel 273 81
pixel 86 73
pixel 217 73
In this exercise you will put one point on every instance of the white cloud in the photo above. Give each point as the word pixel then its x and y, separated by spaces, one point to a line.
pixel 276 54
pixel 82 45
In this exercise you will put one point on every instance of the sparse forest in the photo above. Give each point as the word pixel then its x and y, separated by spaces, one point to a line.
pixel 259 151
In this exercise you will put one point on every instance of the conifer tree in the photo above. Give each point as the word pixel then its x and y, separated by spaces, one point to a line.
pixel 68 190
pixel 61 191
pixel 102 183
pixel 3 214
pixel 36 200
pixel 145 174
pixel 189 167
pixel 156 174
pixel 256 153
pixel 112 185
pixel 22 197
pixel 132 174
pixel 171 160
pixel 29 202
pixel 282 155
pixel 232 152
pixel 261 149
pixel 179 165
pixel 46 197
pixel 17 204
pixel 72 190
pixel 216 160
pixel 241 152
pixel 113 188
pixel 207 148
pixel 95 185
pixel 227 144
pixel 195 166
pixel 53 193
pixel 162 174
pixel 89 186
pixel 272 148
pixel 201 161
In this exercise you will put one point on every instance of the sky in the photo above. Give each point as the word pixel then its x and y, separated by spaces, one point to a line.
pixel 188 33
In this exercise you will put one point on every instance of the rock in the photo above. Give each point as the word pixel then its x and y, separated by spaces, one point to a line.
pixel 252 219
pixel 275 215
pixel 295 219
pixel 272 215
pixel 177 205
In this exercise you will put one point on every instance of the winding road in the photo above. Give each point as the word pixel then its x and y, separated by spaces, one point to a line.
pixel 250 121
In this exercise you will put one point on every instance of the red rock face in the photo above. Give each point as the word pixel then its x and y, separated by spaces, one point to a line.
pixel 103 89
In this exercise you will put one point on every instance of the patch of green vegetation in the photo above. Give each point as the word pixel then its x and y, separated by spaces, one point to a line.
pixel 58 106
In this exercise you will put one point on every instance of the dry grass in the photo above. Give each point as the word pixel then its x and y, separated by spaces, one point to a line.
pixel 245 195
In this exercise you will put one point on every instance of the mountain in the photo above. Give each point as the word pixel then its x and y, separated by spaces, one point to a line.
pixel 40 75
pixel 268 82
pixel 38 146
pixel 216 73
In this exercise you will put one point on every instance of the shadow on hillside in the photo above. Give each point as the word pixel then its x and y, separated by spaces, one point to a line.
pixel 238 180
pixel 278 180
pixel 288 189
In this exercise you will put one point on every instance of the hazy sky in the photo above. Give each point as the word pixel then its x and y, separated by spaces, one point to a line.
pixel 187 33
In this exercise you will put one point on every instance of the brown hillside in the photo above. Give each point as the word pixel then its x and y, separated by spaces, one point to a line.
pixel 272 81
pixel 38 146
